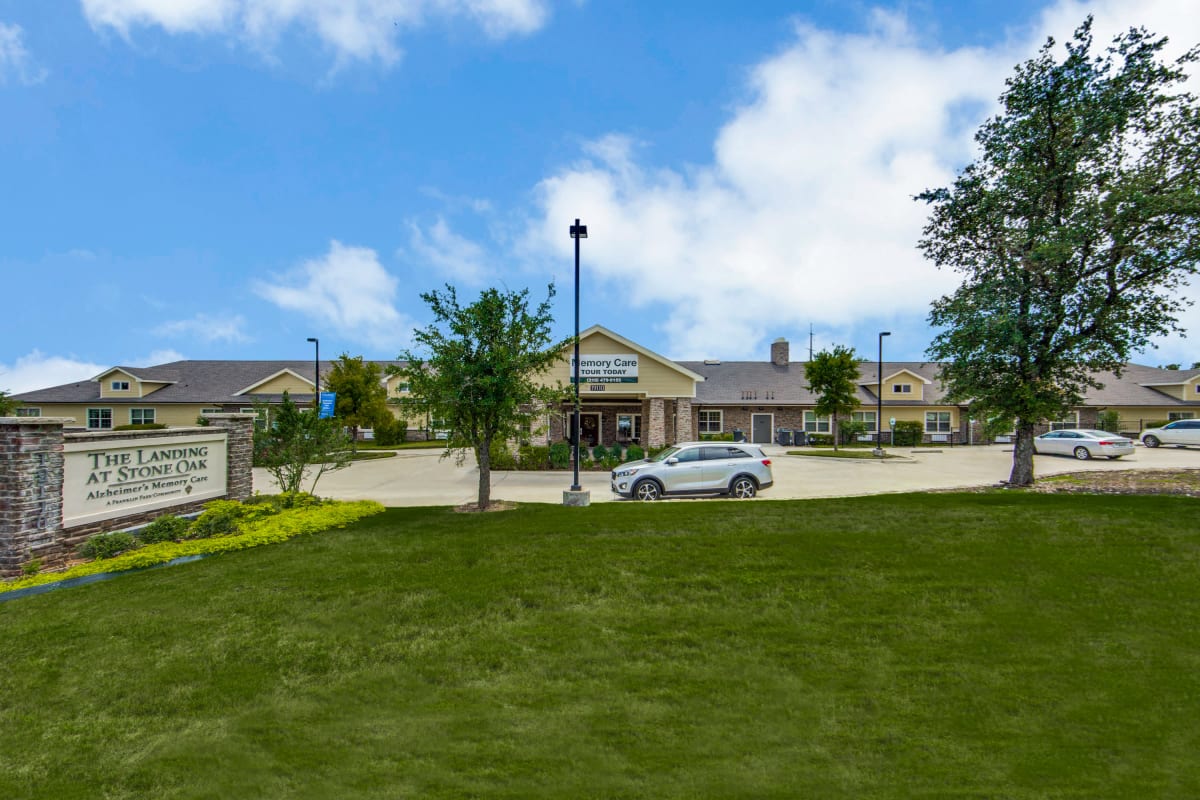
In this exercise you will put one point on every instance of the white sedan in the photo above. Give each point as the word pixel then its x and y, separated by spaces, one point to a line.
pixel 1083 444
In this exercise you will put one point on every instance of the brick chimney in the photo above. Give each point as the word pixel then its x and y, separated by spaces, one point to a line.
pixel 779 352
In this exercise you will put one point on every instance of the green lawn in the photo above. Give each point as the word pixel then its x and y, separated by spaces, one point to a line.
pixel 978 645
pixel 843 453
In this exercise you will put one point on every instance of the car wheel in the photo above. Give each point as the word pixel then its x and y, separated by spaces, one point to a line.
pixel 1151 441
pixel 1082 453
pixel 1113 458
pixel 647 490
pixel 743 488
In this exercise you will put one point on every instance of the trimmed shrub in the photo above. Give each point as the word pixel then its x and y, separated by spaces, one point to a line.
pixel 820 439
pixel 850 429
pixel 1109 421
pixel 909 432
pixel 532 457
pixel 220 518
pixel 716 437
pixel 1154 423
pixel 390 431
pixel 164 529
pixel 560 455
pixel 635 453
pixel 145 426
pixel 614 451
pixel 107 545
pixel 500 456
pixel 599 452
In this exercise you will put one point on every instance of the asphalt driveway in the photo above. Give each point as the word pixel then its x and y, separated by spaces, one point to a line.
pixel 423 477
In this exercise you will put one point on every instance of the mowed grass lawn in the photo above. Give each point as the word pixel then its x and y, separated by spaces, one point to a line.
pixel 973 645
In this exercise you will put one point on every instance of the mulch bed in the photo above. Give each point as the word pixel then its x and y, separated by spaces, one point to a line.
pixel 1183 482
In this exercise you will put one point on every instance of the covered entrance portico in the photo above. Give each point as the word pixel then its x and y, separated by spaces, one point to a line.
pixel 628 395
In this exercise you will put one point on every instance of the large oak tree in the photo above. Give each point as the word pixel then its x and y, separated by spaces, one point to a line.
pixel 1075 230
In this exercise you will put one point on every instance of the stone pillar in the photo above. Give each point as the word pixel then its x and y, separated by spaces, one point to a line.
pixel 656 432
pixel 539 435
pixel 683 419
pixel 31 489
pixel 239 449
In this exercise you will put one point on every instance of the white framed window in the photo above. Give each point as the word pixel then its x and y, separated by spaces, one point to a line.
pixel 937 422
pixel 629 427
pixel 119 386
pixel 865 417
pixel 210 411
pixel 901 388
pixel 141 416
pixel 1171 415
pixel 99 419
pixel 1069 420
pixel 815 424
pixel 28 411
pixel 403 388
pixel 710 421
pixel 261 422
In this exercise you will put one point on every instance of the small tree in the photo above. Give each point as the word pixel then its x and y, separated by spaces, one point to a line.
pixel 361 394
pixel 8 406
pixel 296 444
pixel 1074 230
pixel 833 376
pixel 483 370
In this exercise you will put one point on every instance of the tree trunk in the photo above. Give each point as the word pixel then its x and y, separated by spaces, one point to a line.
pixel 484 457
pixel 836 433
pixel 1022 469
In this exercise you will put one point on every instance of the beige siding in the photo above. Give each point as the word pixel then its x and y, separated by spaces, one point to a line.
pixel 283 383
pixel 655 379
pixel 1134 418
pixel 904 378
pixel 106 389
pixel 173 415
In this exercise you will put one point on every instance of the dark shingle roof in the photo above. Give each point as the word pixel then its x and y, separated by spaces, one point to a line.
pixel 764 383
pixel 207 382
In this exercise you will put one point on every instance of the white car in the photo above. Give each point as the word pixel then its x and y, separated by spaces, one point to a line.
pixel 1179 433
pixel 736 469
pixel 1083 444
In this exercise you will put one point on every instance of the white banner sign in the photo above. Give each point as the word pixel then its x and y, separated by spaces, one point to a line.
pixel 102 480
pixel 620 368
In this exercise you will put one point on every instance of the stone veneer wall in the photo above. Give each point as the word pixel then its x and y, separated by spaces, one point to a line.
pixel 31 485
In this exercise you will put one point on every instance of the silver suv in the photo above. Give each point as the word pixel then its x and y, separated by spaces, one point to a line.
pixel 737 469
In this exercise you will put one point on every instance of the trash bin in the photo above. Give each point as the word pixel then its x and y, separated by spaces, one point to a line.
pixel 799 438
pixel 738 436
pixel 783 436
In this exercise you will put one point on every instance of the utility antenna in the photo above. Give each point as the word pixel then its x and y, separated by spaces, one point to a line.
pixel 810 341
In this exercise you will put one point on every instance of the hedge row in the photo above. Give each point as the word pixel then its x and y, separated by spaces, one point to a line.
pixel 256 523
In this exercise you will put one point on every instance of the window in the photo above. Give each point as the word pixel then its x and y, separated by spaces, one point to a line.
pixel 722 453
pixel 210 411
pixel 1171 415
pixel 937 422
pixel 865 417
pixel 99 419
pixel 27 411
pixel 629 427
pixel 815 424
pixel 261 422
pixel 1071 420
pixel 119 386
pixel 901 388
pixel 711 421
pixel 401 388
pixel 141 416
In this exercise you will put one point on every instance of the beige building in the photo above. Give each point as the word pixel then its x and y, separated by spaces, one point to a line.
pixel 628 394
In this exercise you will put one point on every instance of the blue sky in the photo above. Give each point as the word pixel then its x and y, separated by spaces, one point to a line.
pixel 225 178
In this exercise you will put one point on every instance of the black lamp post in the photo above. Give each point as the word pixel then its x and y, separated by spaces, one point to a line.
pixel 577 232
pixel 879 399
pixel 316 373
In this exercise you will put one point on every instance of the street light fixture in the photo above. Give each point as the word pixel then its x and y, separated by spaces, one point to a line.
pixel 879 398
pixel 577 232
pixel 316 372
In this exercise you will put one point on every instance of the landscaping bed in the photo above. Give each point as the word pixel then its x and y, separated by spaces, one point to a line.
pixel 1185 482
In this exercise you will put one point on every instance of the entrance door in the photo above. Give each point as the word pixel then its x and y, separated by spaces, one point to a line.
pixel 760 428
pixel 589 429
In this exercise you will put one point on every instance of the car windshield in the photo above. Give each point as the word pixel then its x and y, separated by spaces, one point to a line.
pixel 664 455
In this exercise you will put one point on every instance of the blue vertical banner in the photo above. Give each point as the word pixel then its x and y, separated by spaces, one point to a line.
pixel 328 401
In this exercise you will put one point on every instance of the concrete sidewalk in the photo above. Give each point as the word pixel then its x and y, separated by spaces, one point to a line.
pixel 423 478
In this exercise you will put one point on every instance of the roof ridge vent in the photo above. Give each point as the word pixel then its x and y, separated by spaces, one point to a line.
pixel 712 362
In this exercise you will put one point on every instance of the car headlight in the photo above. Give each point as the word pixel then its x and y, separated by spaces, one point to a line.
pixel 625 473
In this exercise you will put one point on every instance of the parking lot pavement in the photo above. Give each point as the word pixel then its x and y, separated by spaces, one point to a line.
pixel 421 478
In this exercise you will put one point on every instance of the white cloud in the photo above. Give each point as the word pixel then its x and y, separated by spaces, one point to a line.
pixel 805 213
pixel 452 256
pixel 207 328
pixel 40 371
pixel 348 290
pixel 365 30
pixel 15 59
pixel 154 358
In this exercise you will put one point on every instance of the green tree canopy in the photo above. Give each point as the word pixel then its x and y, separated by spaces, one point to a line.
pixel 482 370
pixel 1074 230
pixel 8 406
pixel 833 376
pixel 361 393
pixel 296 444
